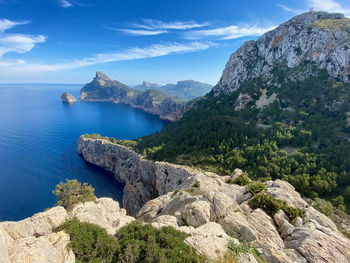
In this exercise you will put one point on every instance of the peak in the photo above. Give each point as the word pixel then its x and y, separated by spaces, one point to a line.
pixel 100 75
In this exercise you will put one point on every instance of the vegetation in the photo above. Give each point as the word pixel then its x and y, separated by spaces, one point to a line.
pixel 339 24
pixel 256 187
pixel 90 243
pixel 271 206
pixel 241 180
pixel 308 117
pixel 242 248
pixel 135 242
pixel 72 192
pixel 127 143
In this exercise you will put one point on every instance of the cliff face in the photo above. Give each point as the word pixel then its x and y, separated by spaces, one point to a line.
pixel 308 38
pixel 164 194
pixel 155 102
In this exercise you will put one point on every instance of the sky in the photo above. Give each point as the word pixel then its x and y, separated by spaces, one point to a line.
pixel 160 41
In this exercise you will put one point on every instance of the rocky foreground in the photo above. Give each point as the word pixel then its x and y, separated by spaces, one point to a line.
pixel 204 205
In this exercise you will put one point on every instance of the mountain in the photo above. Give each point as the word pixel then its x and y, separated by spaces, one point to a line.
pixel 184 90
pixel 147 85
pixel 102 88
pixel 281 110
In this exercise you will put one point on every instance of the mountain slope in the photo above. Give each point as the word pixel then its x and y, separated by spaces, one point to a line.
pixel 280 110
pixel 102 88
pixel 183 90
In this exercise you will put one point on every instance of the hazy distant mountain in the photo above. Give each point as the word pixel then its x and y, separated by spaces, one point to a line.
pixel 182 90
pixel 147 85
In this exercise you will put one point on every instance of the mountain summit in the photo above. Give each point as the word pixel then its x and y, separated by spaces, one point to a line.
pixel 316 38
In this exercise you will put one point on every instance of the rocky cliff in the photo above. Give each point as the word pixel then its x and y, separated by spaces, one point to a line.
pixel 102 88
pixel 319 38
pixel 213 209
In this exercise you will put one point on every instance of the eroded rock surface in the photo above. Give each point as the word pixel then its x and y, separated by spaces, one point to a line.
pixel 192 200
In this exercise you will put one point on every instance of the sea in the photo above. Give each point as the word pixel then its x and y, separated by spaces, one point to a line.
pixel 38 144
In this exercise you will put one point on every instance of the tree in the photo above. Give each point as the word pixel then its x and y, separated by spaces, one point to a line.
pixel 72 192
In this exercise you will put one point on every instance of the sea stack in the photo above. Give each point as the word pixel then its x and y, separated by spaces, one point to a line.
pixel 68 98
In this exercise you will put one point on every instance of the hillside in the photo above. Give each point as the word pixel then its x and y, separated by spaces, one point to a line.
pixel 184 90
pixel 102 88
pixel 280 111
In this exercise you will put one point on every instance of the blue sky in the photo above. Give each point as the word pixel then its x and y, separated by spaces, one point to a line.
pixel 67 41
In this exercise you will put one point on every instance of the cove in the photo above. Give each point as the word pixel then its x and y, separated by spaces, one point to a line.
pixel 38 136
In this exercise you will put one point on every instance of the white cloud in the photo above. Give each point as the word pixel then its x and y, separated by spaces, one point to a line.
pixel 229 32
pixel 18 43
pixel 329 6
pixel 141 32
pixel 65 3
pixel 6 24
pixel 152 51
pixel 157 24
pixel 290 9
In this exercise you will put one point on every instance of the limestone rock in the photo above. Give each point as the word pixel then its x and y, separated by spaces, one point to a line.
pixel 198 213
pixel 103 212
pixel 293 43
pixel 68 98
pixel 210 240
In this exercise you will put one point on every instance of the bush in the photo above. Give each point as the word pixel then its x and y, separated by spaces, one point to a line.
pixel 242 180
pixel 89 242
pixel 271 206
pixel 197 184
pixel 135 242
pixel 144 243
pixel 244 248
pixel 72 192
pixel 256 187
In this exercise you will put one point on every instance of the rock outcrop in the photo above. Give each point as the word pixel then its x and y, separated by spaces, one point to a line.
pixel 34 240
pixel 68 98
pixel 102 88
pixel 215 212
pixel 306 38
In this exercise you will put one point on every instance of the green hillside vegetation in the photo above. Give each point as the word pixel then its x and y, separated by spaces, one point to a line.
pixel 308 117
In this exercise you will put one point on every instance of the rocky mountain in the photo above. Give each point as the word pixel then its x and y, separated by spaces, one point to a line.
pixel 102 88
pixel 184 90
pixel 280 111
pixel 147 85
pixel 314 38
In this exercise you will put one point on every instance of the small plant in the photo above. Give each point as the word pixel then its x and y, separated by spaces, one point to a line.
pixel 72 192
pixel 197 184
pixel 256 187
pixel 244 248
pixel 241 180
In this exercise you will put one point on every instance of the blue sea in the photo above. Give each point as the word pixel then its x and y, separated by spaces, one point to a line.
pixel 38 136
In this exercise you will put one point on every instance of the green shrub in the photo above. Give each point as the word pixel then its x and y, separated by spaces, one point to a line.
pixel 197 184
pixel 266 202
pixel 72 192
pixel 135 242
pixel 90 243
pixel 271 206
pixel 144 243
pixel 244 248
pixel 242 180
pixel 256 187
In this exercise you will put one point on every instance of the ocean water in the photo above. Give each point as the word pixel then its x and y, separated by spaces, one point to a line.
pixel 38 136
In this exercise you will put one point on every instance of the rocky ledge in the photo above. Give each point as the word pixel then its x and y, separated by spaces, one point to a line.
pixel 215 212
pixel 68 98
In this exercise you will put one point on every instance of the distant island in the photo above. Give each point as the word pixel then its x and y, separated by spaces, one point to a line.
pixel 169 102
pixel 68 98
